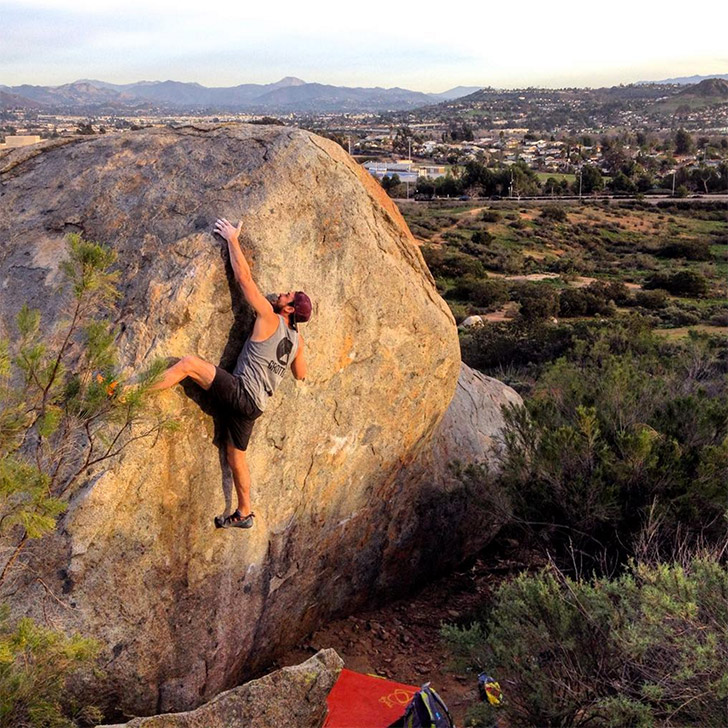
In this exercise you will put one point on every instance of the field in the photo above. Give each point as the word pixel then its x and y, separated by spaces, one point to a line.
pixel 668 262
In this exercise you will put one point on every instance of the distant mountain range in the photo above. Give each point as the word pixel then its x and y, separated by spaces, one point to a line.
pixel 708 88
pixel 688 80
pixel 285 96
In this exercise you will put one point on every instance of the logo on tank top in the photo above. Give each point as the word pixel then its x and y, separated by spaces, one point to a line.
pixel 283 352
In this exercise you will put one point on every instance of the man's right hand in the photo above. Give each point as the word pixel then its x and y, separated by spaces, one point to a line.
pixel 227 230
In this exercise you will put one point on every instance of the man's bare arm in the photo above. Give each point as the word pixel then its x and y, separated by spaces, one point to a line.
pixel 241 269
pixel 298 365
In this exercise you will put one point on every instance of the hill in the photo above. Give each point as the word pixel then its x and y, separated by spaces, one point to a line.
pixel 716 88
pixel 290 94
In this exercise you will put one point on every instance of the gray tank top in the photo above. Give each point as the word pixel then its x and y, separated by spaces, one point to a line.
pixel 262 364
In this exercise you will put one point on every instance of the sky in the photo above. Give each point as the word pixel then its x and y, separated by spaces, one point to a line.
pixel 412 45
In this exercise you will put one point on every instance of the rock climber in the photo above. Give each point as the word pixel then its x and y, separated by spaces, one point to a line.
pixel 274 346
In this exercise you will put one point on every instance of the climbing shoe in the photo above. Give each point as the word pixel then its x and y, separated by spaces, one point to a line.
pixel 235 520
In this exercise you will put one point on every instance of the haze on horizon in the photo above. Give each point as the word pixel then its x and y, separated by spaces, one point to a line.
pixel 52 42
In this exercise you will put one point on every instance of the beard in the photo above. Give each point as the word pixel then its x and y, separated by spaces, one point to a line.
pixel 272 298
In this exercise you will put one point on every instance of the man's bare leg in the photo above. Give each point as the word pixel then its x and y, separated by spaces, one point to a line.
pixel 199 370
pixel 241 477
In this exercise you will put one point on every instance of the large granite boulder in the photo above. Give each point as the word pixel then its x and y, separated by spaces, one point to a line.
pixel 460 507
pixel 186 611
pixel 287 698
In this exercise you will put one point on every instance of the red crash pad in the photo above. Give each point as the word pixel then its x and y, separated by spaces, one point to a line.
pixel 366 701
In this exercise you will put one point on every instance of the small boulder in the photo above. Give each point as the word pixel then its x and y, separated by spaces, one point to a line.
pixel 472 322
pixel 292 696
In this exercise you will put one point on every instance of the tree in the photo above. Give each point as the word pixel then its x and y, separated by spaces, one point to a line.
pixel 390 183
pixel 64 409
pixel 461 132
pixel 683 142
pixel 591 179
pixel 622 183
pixel 64 413
pixel 402 140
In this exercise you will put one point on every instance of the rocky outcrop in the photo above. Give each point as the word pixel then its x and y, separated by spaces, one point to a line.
pixel 292 696
pixel 341 490
pixel 459 507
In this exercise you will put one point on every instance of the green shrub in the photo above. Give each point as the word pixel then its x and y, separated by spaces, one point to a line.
pixel 459 311
pixel 556 213
pixel 611 291
pixel 63 408
pixel 36 664
pixel 627 430
pixel 517 343
pixel 504 260
pixel 676 316
pixel 65 413
pixel 490 216
pixel 588 301
pixel 447 263
pixel 719 317
pixel 645 649
pixel 538 301
pixel 680 283
pixel 481 237
pixel 652 300
pixel 489 293
pixel 687 249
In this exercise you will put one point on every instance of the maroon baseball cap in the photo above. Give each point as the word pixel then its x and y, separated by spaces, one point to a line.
pixel 302 306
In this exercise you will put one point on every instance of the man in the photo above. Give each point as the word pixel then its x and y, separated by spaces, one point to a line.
pixel 273 347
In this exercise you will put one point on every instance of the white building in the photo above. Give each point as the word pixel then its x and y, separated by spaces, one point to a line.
pixel 403 169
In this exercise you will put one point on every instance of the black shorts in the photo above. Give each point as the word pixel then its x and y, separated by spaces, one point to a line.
pixel 236 407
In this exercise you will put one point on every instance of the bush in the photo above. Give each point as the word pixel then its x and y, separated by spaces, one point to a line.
pixel 652 300
pixel 538 301
pixel 719 317
pixel 647 648
pixel 628 429
pixel 489 293
pixel 570 265
pixel 447 263
pixel 687 249
pixel 612 291
pixel 490 216
pixel 480 237
pixel 506 344
pixel 35 666
pixel 680 283
pixel 459 311
pixel 65 414
pixel 555 213
pixel 676 316
pixel 506 261
pixel 594 299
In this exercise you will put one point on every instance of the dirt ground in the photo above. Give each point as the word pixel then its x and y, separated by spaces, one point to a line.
pixel 401 640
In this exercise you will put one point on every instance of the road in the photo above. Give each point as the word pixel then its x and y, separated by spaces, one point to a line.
pixel 651 199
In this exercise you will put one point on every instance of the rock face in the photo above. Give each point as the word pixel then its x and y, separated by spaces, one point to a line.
pixel 186 611
pixel 457 515
pixel 292 696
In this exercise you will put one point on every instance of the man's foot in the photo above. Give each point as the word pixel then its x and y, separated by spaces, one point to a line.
pixel 235 520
